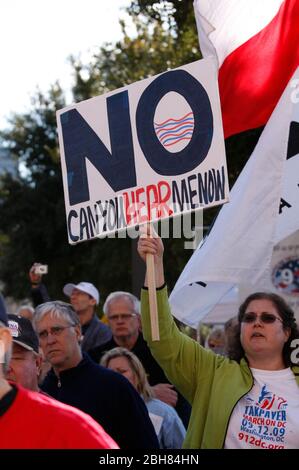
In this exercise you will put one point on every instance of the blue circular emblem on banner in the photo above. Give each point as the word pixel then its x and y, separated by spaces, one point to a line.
pixel 196 126
pixel 285 276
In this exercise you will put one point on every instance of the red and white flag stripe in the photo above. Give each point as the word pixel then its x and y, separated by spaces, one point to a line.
pixel 256 45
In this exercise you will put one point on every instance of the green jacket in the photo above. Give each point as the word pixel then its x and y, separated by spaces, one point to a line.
pixel 214 384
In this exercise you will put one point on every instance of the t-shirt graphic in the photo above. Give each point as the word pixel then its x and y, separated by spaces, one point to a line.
pixel 268 416
pixel 264 420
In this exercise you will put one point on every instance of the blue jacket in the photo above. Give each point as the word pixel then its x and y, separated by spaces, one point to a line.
pixel 109 398
pixel 172 432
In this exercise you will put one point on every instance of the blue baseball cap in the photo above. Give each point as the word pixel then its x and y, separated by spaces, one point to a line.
pixel 3 314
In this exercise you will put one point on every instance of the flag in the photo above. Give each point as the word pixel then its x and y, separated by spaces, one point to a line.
pixel 263 209
pixel 256 44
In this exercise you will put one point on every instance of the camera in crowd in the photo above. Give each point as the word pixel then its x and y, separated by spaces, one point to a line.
pixel 41 269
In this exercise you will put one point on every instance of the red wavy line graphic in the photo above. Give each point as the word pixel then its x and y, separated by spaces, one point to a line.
pixel 172 119
pixel 191 123
pixel 174 135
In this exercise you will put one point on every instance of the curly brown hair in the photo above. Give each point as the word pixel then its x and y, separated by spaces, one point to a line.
pixel 235 349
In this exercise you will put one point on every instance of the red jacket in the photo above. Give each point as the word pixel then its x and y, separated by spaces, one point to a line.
pixel 35 421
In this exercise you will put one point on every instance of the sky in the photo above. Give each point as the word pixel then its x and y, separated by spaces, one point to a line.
pixel 37 37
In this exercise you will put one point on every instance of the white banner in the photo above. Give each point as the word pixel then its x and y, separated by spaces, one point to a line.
pixel 263 207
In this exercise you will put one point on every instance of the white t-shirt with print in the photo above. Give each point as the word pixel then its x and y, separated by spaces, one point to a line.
pixel 267 417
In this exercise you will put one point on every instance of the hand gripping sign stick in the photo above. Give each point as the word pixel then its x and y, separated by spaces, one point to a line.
pixel 150 269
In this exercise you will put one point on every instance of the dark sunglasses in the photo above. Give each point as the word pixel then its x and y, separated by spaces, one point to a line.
pixel 265 317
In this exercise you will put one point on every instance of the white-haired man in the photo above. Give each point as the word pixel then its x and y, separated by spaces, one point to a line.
pixel 76 380
pixel 123 313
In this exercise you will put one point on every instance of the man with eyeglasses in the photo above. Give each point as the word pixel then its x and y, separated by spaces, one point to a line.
pixel 123 313
pixel 30 420
pixel 76 380
pixel 247 401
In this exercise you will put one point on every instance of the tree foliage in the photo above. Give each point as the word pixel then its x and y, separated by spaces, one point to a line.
pixel 178 14
pixel 32 211
pixel 32 206
pixel 153 49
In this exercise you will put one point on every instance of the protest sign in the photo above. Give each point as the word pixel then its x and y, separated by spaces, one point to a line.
pixel 145 152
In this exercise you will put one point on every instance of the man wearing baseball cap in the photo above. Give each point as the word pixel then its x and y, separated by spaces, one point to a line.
pixel 30 420
pixel 25 363
pixel 84 297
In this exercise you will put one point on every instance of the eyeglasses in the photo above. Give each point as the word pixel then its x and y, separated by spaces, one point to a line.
pixel 54 330
pixel 121 316
pixel 265 317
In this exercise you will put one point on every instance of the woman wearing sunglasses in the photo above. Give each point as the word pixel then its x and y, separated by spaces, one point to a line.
pixel 250 400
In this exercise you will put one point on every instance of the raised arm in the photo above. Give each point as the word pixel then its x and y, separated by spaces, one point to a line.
pixel 39 292
pixel 153 246
pixel 183 360
pixel 167 350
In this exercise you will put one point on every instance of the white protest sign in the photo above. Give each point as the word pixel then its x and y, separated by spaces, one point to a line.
pixel 145 152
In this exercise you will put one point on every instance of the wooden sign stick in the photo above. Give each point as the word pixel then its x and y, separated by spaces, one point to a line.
pixel 150 267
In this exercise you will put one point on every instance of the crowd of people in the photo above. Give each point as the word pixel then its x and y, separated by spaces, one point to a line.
pixel 85 383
